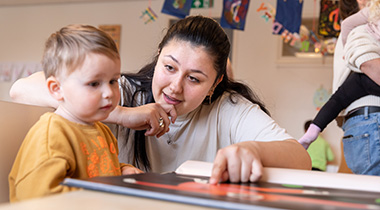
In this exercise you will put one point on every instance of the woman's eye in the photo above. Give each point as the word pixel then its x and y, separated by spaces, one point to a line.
pixel 193 79
pixel 169 68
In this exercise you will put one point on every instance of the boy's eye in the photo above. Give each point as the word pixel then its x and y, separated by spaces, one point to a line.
pixel 93 84
pixel 114 81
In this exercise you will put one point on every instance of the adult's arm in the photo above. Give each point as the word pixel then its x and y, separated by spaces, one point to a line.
pixel 145 117
pixel 362 53
pixel 372 69
pixel 244 161
pixel 32 90
pixel 352 89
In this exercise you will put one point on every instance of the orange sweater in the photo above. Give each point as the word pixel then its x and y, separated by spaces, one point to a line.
pixel 56 148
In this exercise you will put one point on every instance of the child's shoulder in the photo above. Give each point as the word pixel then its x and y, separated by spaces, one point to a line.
pixel 49 121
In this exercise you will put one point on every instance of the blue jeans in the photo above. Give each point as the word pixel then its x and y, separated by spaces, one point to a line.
pixel 361 143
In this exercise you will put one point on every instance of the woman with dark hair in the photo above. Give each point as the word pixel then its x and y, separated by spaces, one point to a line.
pixel 219 120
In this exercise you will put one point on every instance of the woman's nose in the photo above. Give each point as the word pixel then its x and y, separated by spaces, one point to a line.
pixel 176 84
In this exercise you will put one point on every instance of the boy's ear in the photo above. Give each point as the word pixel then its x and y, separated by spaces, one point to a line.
pixel 54 88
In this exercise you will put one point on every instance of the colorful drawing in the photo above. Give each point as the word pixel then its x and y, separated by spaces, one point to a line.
pixel 178 8
pixel 288 15
pixel 234 14
pixel 202 4
pixel 321 96
pixel 329 20
pixel 148 15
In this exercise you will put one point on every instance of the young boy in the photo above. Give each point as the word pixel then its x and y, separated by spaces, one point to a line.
pixel 82 67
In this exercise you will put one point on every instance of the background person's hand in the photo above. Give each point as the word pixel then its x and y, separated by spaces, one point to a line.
pixel 310 136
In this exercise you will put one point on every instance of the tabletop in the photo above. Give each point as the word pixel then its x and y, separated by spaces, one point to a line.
pixel 86 199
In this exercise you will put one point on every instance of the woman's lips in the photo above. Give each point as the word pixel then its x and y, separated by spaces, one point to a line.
pixel 171 100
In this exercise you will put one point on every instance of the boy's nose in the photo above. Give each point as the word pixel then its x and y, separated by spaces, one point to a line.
pixel 107 91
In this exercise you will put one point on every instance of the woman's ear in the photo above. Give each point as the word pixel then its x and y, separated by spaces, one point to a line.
pixel 214 86
pixel 54 88
pixel 219 80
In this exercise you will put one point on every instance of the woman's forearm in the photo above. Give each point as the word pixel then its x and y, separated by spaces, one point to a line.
pixel 115 116
pixel 283 154
pixel 151 117
pixel 32 90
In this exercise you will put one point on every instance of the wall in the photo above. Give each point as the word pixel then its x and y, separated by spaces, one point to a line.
pixel 286 89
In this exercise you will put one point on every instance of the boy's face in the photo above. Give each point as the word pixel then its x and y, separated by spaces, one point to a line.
pixel 91 91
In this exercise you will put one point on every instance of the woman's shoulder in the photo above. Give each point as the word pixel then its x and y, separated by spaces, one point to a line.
pixel 126 82
pixel 234 102
pixel 235 99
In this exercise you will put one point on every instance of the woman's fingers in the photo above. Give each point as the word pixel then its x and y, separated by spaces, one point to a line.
pixel 236 164
pixel 219 170
pixel 163 115
pixel 170 111
pixel 256 171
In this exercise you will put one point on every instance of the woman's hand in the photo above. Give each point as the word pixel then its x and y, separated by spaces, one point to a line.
pixel 244 161
pixel 237 163
pixel 147 117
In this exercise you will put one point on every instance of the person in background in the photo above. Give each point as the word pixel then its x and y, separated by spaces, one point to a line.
pixel 361 116
pixel 82 68
pixel 370 16
pixel 357 84
pixel 320 151
pixel 219 120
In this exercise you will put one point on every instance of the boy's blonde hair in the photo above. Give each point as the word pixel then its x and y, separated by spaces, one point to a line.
pixel 68 47
pixel 374 10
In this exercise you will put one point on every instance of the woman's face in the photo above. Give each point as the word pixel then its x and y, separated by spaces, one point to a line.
pixel 183 76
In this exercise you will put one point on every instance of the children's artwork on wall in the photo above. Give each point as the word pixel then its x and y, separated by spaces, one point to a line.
pixel 202 4
pixel 321 96
pixel 12 71
pixel 329 20
pixel 177 8
pixel 267 10
pixel 288 16
pixel 148 15
pixel 114 31
pixel 305 40
pixel 234 14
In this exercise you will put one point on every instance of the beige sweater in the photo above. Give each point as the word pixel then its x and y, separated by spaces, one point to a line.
pixel 360 47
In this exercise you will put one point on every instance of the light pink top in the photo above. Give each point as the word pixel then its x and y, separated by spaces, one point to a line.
pixel 360 18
